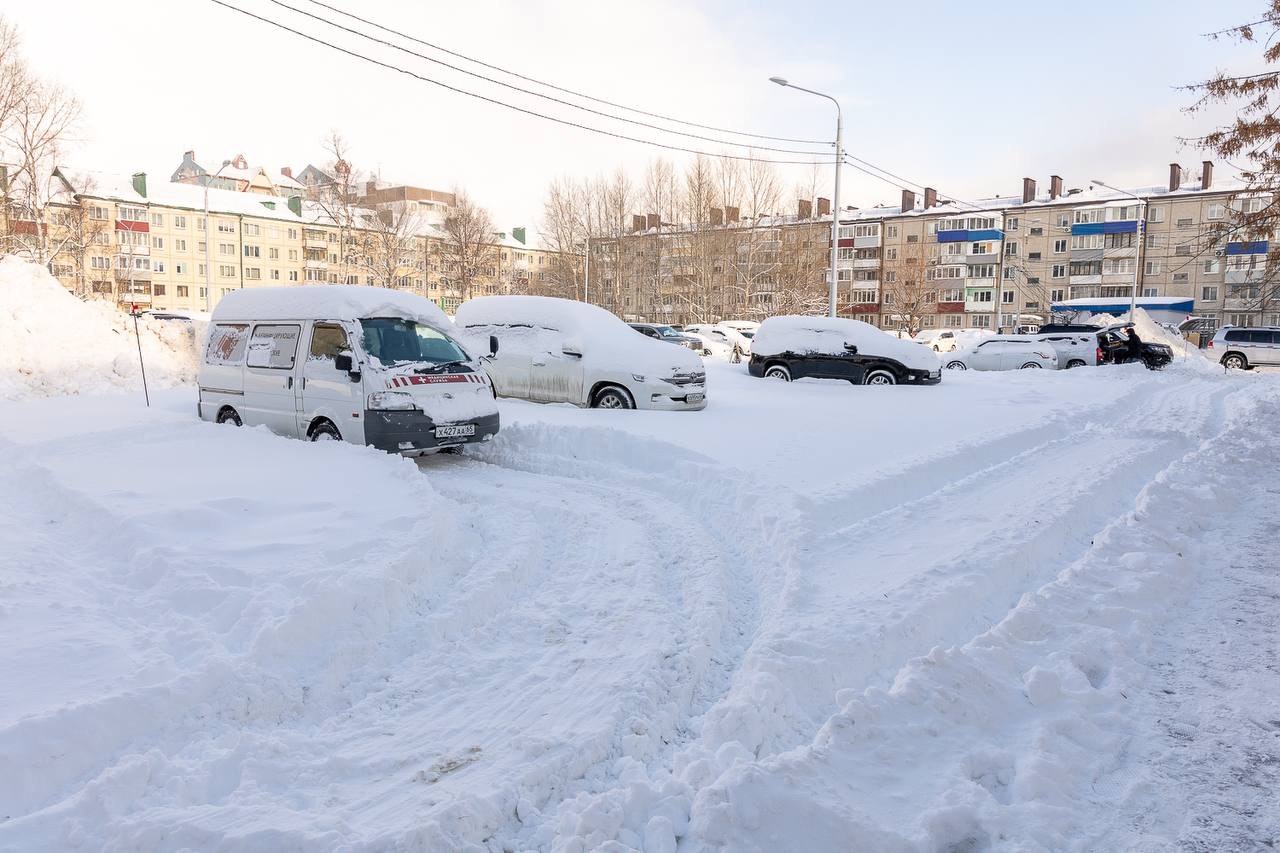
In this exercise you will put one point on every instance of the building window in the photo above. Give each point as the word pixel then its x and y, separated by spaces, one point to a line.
pixel 252 251
pixel 131 214
pixel 1057 294
pixel 1152 268
pixel 1212 266
pixel 226 271
pixel 981 321
pixel 253 273
pixel 1179 278
pixel 891 231
pixel 1086 241
pixel 1126 213
pixel 1006 296
pixel 157 219
pixel 953 321
pixel 1059 246
pixel 1155 214
pixel 1011 248
pixel 182 290
pixel 158 266
pixel 273 254
pixel 275 275
pixel 97 211
pixel 982 271
pixel 179 222
pixel 1012 223
pixel 1150 291
pixel 157 242
pixel 1118 241
pixel 1059 271
pixel 1084 217
pixel 1215 211
pixel 252 230
pixel 293 275
pixel 982 296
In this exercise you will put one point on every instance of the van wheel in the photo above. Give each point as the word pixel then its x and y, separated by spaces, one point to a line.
pixel 229 416
pixel 1235 361
pixel 778 371
pixel 1075 362
pixel 325 431
pixel 957 365
pixel 1031 365
pixel 613 398
pixel 880 376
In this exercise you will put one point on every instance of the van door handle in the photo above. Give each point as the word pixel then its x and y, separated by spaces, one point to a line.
pixel 289 383
pixel 539 364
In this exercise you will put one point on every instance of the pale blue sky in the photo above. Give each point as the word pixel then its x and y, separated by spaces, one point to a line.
pixel 965 98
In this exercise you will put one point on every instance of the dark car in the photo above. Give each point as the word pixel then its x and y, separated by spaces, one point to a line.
pixel 829 348
pixel 667 334
pixel 1114 343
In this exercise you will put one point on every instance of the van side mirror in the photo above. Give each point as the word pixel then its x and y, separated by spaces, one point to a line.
pixel 852 349
pixel 343 362
pixel 493 345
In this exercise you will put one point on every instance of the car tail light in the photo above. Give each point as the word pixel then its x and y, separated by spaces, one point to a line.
pixel 1099 354
pixel 1210 343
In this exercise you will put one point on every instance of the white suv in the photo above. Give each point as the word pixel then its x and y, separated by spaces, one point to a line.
pixel 1006 352
pixel 1242 349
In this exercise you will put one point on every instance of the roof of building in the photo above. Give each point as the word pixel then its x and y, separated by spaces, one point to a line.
pixel 118 187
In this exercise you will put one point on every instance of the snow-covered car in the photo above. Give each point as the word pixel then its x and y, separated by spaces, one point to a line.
pixel 362 364
pixel 666 334
pixel 563 351
pixel 1005 352
pixel 837 348
pixel 938 340
pixel 737 342
pixel 1077 349
pixel 711 346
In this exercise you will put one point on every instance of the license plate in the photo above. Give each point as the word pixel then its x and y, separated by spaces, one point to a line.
pixel 695 398
pixel 455 431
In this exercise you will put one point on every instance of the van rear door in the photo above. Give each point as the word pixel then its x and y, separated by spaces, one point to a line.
pixel 269 378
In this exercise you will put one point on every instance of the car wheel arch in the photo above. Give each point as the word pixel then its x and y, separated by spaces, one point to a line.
pixel 603 385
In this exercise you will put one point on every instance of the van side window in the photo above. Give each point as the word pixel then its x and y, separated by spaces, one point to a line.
pixel 226 343
pixel 274 346
pixel 327 341
pixel 1236 335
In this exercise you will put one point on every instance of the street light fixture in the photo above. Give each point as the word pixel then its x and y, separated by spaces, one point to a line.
pixel 835 199
pixel 208 240
pixel 1142 240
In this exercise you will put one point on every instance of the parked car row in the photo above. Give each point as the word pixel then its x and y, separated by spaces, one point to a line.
pixel 389 369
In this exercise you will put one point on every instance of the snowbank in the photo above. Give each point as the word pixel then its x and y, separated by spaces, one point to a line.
pixel 828 336
pixel 56 344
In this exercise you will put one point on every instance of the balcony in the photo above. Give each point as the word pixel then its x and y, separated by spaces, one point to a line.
pixel 1126 252
pixel 866 263
pixel 132 251
pixel 1244 276
pixel 866 242
pixel 1086 254
pixel 316 265
pixel 1126 278
pixel 136 276
pixel 1086 279
pixel 316 243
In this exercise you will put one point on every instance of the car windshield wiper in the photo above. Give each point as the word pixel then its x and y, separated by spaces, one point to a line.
pixel 435 368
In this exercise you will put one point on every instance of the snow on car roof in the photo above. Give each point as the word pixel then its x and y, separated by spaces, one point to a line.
pixel 327 301
pixel 829 335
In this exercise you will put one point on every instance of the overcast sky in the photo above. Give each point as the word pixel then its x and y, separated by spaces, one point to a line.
pixel 966 99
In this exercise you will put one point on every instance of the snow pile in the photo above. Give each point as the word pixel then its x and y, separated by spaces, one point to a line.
pixel 1152 332
pixel 829 335
pixel 56 344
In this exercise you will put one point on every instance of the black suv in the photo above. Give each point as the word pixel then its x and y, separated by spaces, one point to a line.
pixel 1114 342
pixel 824 348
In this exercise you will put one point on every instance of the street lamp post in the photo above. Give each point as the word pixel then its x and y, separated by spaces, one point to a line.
pixel 835 198
pixel 1142 240
pixel 208 240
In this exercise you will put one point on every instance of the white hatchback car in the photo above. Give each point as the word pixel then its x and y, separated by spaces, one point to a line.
pixel 563 351
pixel 1005 352
pixel 737 343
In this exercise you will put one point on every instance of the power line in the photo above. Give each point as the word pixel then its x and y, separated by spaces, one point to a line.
pixel 566 91
pixel 495 101
pixel 530 92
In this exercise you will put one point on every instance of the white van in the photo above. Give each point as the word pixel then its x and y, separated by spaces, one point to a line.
pixel 361 364
pixel 565 351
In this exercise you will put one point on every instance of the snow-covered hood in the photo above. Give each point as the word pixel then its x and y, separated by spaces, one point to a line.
pixel 444 397
pixel 828 336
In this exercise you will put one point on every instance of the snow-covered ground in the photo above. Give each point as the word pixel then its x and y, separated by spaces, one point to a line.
pixel 1021 611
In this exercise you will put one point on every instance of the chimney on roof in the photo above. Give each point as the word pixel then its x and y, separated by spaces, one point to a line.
pixel 1175 177
pixel 637 222
pixel 717 216
pixel 731 215
pixel 930 197
pixel 287 171
pixel 4 179
pixel 1028 190
pixel 1206 174
pixel 652 220
pixel 370 187
pixel 908 200
pixel 804 209
pixel 824 206
pixel 1055 186
pixel 295 205
pixel 518 233
pixel 239 162
pixel 140 183
pixel 189 155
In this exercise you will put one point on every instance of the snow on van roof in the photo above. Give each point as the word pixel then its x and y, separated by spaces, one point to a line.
pixel 828 335
pixel 328 302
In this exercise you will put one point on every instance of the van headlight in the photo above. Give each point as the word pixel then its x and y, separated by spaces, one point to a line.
pixel 397 401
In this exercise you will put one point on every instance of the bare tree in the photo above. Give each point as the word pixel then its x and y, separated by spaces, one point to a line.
pixel 338 200
pixel 565 229
pixel 468 251
pixel 1252 136
pixel 386 243
pixel 15 79
pixel 37 134
pixel 907 293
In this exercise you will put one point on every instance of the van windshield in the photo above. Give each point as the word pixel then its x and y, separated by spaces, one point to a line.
pixel 393 341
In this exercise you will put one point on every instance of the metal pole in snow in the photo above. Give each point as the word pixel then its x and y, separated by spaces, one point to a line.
pixel 145 393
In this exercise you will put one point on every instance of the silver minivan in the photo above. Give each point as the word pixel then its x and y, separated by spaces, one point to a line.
pixel 1243 348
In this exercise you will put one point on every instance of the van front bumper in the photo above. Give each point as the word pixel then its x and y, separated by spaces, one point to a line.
pixel 413 432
